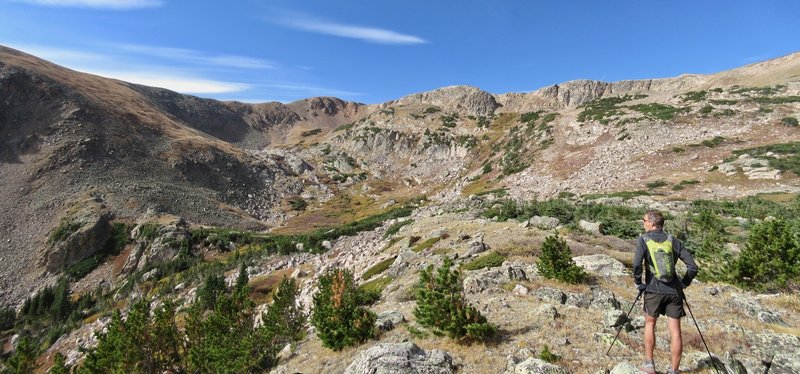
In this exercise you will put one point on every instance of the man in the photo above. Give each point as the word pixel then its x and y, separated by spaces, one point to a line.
pixel 663 291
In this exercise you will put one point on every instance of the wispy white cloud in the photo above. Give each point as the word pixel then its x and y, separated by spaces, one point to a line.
pixel 142 73
pixel 756 58
pixel 368 34
pixel 303 90
pixel 191 56
pixel 101 4
pixel 177 83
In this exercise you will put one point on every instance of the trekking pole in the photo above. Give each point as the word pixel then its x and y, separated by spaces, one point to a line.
pixel 626 317
pixel 683 296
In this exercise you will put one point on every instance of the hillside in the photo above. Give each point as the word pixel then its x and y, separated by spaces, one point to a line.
pixel 132 192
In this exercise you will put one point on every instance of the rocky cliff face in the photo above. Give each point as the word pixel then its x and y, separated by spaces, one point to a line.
pixel 462 99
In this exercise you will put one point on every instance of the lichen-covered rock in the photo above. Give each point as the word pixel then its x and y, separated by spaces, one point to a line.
pixel 77 237
pixel 388 320
pixel 535 366
pixel 625 368
pixel 592 227
pixel 601 264
pixel 544 222
pixel 552 294
pixel 401 358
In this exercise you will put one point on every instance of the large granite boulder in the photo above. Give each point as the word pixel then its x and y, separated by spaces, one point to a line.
pixel 401 358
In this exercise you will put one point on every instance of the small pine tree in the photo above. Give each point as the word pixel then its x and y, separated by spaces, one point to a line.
pixel 441 305
pixel 59 365
pixel 555 261
pixel 240 288
pixel 62 305
pixel 212 287
pixel 23 360
pixel 338 313
pixel 285 316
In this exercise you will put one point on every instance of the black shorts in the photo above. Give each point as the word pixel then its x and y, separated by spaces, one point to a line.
pixel 658 304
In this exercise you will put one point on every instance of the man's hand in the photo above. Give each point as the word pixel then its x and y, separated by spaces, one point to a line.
pixel 641 287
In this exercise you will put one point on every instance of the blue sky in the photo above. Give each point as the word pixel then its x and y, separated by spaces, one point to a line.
pixel 372 51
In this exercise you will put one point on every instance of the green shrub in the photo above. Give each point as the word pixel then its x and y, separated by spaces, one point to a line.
pixel 489 260
pixel 64 229
pixel 790 121
pixel 555 261
pixel 395 227
pixel 547 356
pixel 724 102
pixel 426 244
pixel 378 268
pixel 706 110
pixel 344 127
pixel 338 313
pixel 656 184
pixel 725 113
pixel 530 117
pixel 657 111
pixel 602 110
pixel 784 157
pixel 441 305
pixel 431 110
pixel 771 257
pixel 310 132
pixel 487 168
pixel 625 195
pixel 693 96
pixel 372 290
pixel 298 204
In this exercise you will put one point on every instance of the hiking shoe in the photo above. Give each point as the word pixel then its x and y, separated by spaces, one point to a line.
pixel 648 368
pixel 672 372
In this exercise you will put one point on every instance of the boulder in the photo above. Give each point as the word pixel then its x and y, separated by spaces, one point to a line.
pixel 388 320
pixel 520 290
pixel 595 228
pixel 551 294
pixel 77 237
pixel 544 222
pixel 327 244
pixel 534 366
pixel 401 358
pixel 614 318
pixel 483 279
pixel 752 308
pixel 477 246
pixel 601 265
pixel 625 368
pixel 784 349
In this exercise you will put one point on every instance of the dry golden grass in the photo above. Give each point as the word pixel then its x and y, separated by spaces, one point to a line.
pixel 261 287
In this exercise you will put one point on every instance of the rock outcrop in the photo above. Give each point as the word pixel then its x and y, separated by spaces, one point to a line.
pixel 401 358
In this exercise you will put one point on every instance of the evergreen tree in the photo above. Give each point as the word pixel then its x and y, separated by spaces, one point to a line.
pixel 225 340
pixel 23 361
pixel 338 313
pixel 212 287
pixel 242 280
pixel 441 305
pixel 771 257
pixel 59 365
pixel 62 305
pixel 7 318
pixel 284 316
pixel 555 261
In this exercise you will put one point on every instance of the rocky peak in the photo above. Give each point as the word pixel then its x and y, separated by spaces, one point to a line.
pixel 467 99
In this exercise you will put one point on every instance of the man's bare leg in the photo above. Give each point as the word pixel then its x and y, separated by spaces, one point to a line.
pixel 649 336
pixel 675 341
